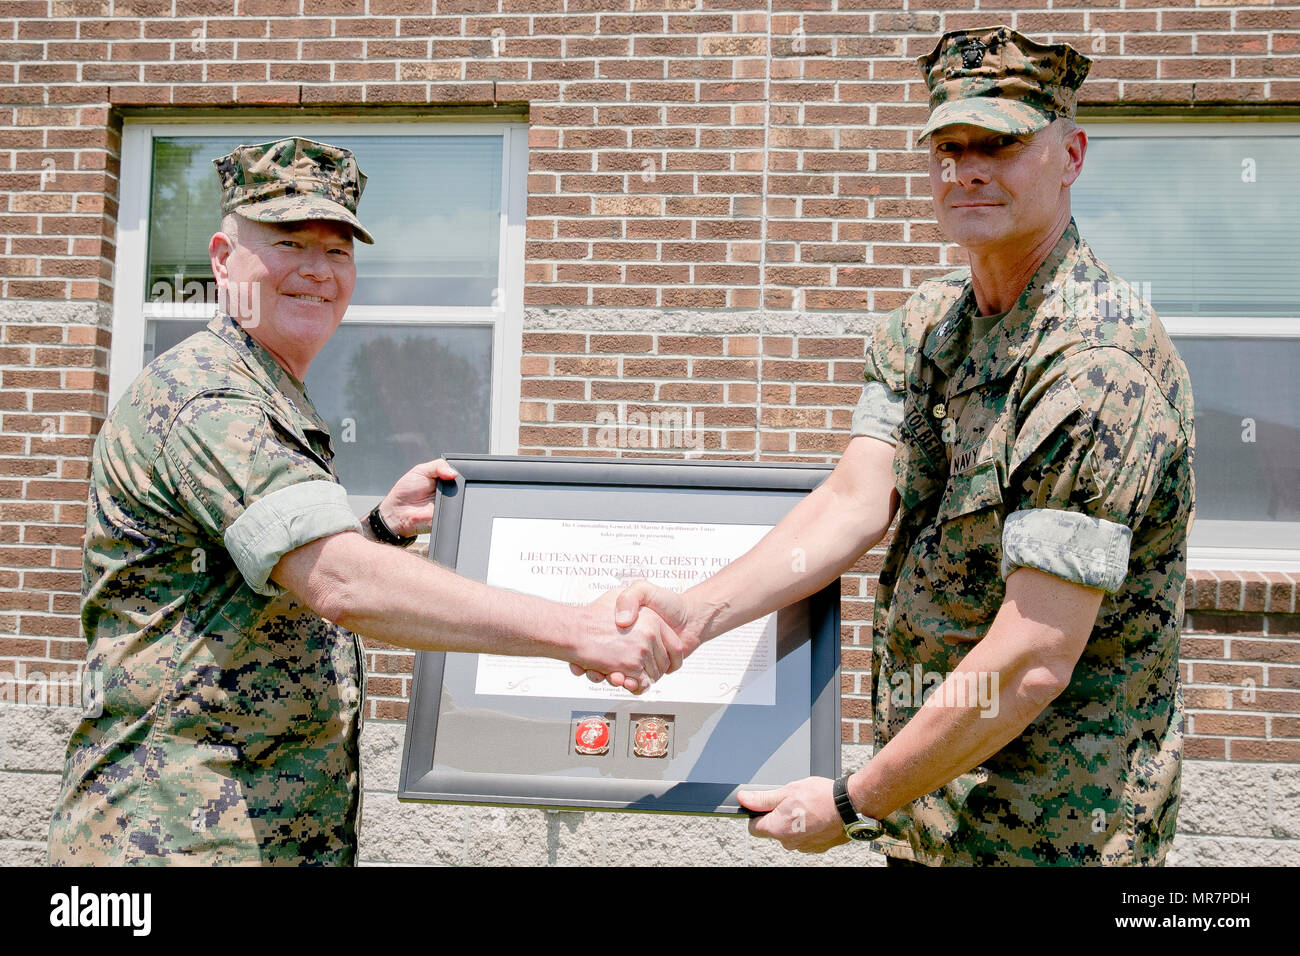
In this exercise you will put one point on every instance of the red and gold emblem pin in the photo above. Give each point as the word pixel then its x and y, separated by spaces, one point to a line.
pixel 591 736
pixel 651 737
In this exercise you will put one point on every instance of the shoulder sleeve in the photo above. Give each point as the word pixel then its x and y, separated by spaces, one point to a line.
pixel 880 409
pixel 1084 469
pixel 250 480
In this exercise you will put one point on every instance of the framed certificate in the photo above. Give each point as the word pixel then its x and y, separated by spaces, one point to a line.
pixel 756 707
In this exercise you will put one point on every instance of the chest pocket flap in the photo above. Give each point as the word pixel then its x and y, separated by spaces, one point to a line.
pixel 972 491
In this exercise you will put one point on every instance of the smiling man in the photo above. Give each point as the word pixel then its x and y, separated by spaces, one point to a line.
pixel 225 577
pixel 1031 424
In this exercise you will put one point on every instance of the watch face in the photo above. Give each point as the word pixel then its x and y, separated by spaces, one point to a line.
pixel 863 831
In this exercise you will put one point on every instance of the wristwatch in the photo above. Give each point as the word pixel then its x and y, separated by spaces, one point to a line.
pixel 857 826
pixel 385 534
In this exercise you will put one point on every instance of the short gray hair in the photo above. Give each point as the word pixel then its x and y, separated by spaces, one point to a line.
pixel 230 226
pixel 1064 127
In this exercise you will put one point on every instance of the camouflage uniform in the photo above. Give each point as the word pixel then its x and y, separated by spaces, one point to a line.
pixel 1058 439
pixel 228 729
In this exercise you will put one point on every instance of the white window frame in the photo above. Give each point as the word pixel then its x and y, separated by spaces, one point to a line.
pixel 132 310
pixel 1210 546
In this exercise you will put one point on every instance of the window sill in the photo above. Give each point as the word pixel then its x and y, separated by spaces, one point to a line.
pixel 1247 591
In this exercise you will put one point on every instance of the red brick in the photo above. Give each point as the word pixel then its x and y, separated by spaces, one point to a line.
pixel 1284 726
pixel 19 647
pixel 1206 698
pixel 1228 725
pixel 587 366
pixel 1279 651
pixel 689 392
pixel 555 342
pixel 1288 677
pixel 585 412
pixel 1212 672
pixel 633 344
pixel 689 345
pixel 552 388
pixel 623 391
pixel 388 709
pixel 654 368
pixel 1219 622
pixel 1278 751
pixel 828 394
pixel 1202 647
pixel 1206 748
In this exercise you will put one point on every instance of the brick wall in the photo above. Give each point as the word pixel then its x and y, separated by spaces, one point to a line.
pixel 722 196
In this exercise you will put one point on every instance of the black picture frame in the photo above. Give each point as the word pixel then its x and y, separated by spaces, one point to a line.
pixel 501 747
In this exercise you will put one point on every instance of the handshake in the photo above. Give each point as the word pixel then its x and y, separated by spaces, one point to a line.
pixel 631 638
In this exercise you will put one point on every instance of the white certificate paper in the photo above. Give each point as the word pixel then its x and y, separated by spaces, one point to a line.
pixel 575 561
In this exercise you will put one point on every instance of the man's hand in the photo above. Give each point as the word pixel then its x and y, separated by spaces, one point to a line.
pixel 802 815
pixel 408 508
pixel 632 656
pixel 671 609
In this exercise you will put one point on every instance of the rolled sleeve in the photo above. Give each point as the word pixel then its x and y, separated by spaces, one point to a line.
pixel 242 475
pixel 273 526
pixel 1075 547
pixel 1085 467
pixel 879 413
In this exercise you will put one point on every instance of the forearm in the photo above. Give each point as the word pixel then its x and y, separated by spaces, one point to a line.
pixel 943 740
pixel 820 539
pixel 385 593
pixel 1024 661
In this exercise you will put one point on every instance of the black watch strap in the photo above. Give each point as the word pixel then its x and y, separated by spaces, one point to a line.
pixel 842 802
pixel 385 534
pixel 856 825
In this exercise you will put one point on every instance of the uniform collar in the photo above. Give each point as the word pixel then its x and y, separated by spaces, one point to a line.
pixel 265 368
pixel 1001 349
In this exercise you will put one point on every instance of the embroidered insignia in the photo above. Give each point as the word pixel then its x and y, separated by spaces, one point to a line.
pixel 972 54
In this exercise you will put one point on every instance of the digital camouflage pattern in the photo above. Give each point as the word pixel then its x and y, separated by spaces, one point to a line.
pixel 291 180
pixel 998 79
pixel 1061 440
pixel 230 718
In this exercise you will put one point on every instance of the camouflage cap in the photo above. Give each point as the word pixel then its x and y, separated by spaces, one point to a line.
pixel 1001 80
pixel 290 180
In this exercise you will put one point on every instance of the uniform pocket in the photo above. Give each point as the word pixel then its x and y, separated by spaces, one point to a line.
pixel 972 491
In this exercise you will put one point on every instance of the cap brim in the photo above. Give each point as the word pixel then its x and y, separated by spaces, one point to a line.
pixel 301 208
pixel 988 112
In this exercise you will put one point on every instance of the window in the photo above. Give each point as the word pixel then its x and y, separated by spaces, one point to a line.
pixel 1200 217
pixel 427 358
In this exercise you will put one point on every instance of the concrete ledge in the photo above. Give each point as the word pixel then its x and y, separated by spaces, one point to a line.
pixel 35 738
pixel 381 755
pixel 27 805
pixel 45 312
pixel 1284 801
pixel 1191 850
pixel 1232 814
pixel 718 322
pixel 1225 799
pixel 393 832
pixel 23 853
